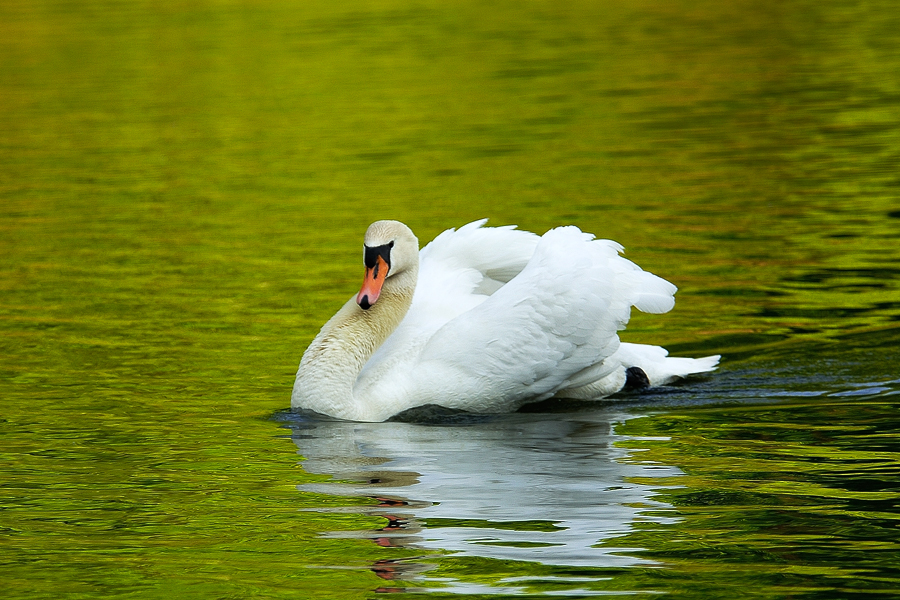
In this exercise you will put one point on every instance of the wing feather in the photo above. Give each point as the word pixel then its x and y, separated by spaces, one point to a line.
pixel 557 317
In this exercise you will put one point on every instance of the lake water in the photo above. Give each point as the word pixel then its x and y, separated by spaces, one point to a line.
pixel 183 191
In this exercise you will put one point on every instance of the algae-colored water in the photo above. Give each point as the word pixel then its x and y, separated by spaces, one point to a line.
pixel 183 190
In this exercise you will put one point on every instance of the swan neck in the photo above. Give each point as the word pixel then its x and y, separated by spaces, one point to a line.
pixel 332 363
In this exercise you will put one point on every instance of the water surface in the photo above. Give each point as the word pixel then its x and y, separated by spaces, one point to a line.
pixel 183 190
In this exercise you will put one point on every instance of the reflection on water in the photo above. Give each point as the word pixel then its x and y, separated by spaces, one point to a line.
pixel 545 488
pixel 182 191
pixel 791 459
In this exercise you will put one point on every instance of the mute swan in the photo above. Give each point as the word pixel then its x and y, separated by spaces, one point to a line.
pixel 485 320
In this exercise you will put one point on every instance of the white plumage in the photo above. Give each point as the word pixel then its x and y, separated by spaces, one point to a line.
pixel 486 320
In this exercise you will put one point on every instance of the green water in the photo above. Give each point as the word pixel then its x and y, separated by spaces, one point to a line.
pixel 183 189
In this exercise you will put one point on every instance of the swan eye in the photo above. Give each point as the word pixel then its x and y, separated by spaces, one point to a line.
pixel 371 254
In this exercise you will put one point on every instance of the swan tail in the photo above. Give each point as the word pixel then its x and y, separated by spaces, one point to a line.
pixel 635 366
pixel 661 368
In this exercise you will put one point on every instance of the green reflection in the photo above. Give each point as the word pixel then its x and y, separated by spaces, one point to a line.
pixel 797 497
pixel 182 192
pixel 787 499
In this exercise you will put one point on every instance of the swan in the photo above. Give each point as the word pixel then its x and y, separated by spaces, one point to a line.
pixel 485 319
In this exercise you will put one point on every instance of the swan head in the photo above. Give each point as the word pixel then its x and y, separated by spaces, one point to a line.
pixel 390 248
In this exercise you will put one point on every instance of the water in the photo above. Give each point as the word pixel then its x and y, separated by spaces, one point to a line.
pixel 183 191
pixel 784 488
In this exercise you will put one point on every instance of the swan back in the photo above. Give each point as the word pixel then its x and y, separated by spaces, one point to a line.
pixel 485 320
pixel 537 333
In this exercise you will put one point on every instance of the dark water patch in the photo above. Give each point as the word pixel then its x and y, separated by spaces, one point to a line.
pixel 813 314
pixel 516 525
pixel 742 292
pixel 818 277
pixel 381 155
pixel 734 346
pixel 492 150
pixel 433 414
pixel 533 68
pixel 547 120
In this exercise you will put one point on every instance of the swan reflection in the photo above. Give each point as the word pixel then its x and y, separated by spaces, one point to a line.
pixel 552 488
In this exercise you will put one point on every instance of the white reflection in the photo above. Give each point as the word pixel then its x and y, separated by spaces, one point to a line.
pixel 534 487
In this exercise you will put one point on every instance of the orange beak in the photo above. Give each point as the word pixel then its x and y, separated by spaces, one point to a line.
pixel 371 287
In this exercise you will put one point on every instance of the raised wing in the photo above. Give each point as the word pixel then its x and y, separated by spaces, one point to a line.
pixel 553 321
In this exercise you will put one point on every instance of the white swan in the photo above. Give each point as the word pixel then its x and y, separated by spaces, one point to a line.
pixel 484 320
